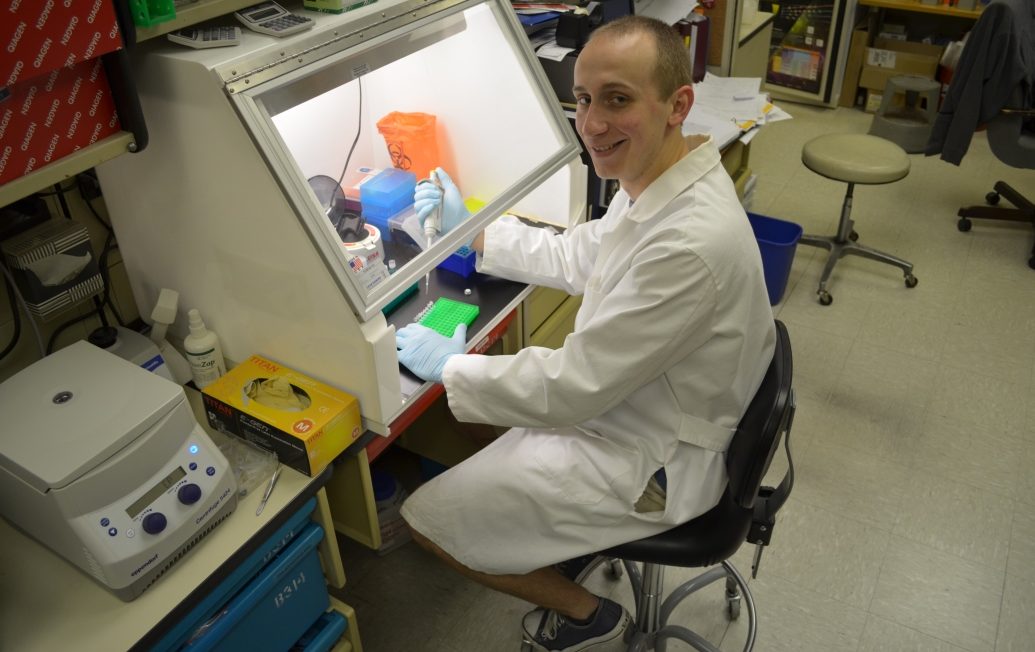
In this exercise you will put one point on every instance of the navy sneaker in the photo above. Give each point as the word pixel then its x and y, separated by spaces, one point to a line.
pixel 548 631
pixel 579 568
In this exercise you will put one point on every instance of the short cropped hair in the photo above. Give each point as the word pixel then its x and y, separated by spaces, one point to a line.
pixel 672 68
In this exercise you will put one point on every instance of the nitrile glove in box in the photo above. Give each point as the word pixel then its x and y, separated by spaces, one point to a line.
pixel 305 422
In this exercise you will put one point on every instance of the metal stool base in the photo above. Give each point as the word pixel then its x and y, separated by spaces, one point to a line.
pixel 843 244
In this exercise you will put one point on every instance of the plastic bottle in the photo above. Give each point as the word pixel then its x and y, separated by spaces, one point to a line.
pixel 133 346
pixel 162 317
pixel 203 352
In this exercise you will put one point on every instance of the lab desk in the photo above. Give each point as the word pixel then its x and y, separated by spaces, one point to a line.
pixel 498 328
pixel 47 604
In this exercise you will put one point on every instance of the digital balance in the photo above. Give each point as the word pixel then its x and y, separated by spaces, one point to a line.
pixel 104 463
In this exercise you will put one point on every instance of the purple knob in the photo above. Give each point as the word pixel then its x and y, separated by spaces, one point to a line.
pixel 154 522
pixel 189 494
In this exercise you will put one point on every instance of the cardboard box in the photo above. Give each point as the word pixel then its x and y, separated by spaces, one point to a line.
pixel 48 117
pixel 890 58
pixel 38 37
pixel 853 67
pixel 307 426
pixel 873 100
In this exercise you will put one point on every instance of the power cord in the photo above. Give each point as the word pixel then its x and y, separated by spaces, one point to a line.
pixel 359 130
pixel 13 287
pixel 16 317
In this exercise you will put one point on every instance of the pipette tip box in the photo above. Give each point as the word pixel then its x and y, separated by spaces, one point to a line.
pixel 444 315
pixel 460 262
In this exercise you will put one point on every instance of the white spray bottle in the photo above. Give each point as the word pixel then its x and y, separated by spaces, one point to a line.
pixel 163 315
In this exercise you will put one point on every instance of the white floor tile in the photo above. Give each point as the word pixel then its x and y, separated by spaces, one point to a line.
pixel 939 594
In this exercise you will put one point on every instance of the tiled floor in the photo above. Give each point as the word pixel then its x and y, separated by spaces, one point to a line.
pixel 912 524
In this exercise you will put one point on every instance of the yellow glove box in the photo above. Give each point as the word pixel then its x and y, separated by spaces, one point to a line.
pixel 305 422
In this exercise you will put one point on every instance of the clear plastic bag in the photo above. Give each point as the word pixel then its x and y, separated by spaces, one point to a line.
pixel 252 465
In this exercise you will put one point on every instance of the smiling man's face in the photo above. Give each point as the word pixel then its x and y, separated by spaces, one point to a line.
pixel 623 122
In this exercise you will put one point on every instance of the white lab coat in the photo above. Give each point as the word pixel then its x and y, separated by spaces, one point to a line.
pixel 672 339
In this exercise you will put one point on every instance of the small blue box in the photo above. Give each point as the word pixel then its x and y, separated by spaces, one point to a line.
pixel 460 261
pixel 777 241
pixel 387 194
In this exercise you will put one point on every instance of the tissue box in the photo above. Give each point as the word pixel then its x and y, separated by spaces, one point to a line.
pixel 54 266
pixel 306 436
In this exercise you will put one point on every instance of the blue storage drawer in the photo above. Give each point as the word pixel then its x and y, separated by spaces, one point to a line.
pixel 240 576
pixel 276 608
pixel 323 635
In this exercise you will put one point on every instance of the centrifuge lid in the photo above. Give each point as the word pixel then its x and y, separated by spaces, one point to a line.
pixel 74 409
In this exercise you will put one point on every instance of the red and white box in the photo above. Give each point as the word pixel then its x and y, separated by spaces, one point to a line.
pixel 50 117
pixel 54 95
pixel 40 36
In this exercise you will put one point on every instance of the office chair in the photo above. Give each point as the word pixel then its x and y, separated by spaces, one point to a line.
pixel 746 512
pixel 1014 145
pixel 993 85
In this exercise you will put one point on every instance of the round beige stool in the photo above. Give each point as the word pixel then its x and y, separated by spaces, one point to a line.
pixel 853 158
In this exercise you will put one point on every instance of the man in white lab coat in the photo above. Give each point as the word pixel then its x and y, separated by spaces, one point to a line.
pixel 673 337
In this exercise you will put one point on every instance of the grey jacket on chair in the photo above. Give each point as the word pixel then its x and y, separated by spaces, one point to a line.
pixel 998 59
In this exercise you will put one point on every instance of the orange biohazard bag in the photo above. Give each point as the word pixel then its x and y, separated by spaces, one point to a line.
pixel 411 141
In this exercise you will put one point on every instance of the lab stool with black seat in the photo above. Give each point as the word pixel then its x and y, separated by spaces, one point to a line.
pixel 853 159
pixel 745 513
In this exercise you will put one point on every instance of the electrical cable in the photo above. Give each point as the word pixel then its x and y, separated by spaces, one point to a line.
pixel 61 200
pixel 102 263
pixel 59 191
pixel 93 210
pixel 63 327
pixel 359 130
pixel 16 317
pixel 28 315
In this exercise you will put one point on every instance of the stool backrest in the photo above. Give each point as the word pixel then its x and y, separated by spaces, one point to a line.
pixel 769 415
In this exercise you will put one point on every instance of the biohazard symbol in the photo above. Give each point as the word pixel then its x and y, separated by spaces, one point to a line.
pixel 399 158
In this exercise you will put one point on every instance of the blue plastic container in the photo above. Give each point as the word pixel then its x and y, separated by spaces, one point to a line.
pixel 460 261
pixel 777 241
pixel 387 194
pixel 324 634
pixel 244 573
pixel 276 608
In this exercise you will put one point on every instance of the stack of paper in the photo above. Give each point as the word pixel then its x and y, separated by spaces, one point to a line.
pixel 729 108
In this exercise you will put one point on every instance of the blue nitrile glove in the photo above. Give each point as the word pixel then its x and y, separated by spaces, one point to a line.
pixel 427 196
pixel 424 351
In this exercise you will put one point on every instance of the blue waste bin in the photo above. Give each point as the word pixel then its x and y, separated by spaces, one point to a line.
pixel 777 241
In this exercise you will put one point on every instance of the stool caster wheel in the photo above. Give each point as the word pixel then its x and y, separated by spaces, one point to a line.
pixel 911 281
pixel 963 224
pixel 526 646
pixel 853 236
pixel 733 607
pixel 1031 262
pixel 824 298
pixel 992 198
pixel 613 569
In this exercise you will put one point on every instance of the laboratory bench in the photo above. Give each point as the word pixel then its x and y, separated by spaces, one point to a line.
pixel 48 604
pixel 511 316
